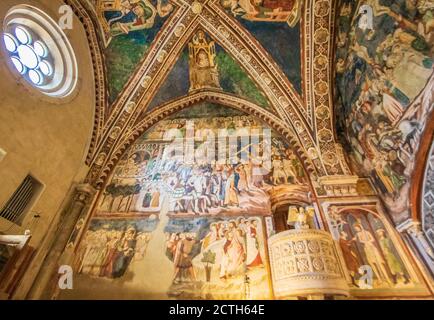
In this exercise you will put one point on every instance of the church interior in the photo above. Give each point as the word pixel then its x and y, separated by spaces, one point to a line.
pixel 217 150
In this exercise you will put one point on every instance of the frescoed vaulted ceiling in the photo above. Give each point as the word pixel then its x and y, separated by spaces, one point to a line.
pixel 280 60
pixel 271 59
pixel 130 28
pixel 219 124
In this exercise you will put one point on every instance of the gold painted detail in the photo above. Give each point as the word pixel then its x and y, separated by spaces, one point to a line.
pixel 203 69
pixel 196 7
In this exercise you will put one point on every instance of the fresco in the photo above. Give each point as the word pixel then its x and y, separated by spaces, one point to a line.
pixel 126 16
pixel 286 11
pixel 200 258
pixel 388 62
pixel 275 24
pixel 365 241
pixel 129 27
pixel 208 110
pixel 110 247
pixel 232 79
pixel 166 227
pixel 226 257
pixel 147 175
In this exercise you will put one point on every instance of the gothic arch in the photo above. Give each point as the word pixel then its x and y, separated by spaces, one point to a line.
pixel 177 105
pixel 176 34
pixel 365 209
pixel 310 120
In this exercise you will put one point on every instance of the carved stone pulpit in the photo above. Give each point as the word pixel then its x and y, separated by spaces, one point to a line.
pixel 304 263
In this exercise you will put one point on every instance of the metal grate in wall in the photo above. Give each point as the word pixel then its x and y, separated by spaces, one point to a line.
pixel 18 205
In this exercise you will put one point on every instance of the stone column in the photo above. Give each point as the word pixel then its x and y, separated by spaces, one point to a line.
pixel 414 231
pixel 46 281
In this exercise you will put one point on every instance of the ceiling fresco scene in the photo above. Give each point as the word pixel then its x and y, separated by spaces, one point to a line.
pixel 130 27
pixel 275 24
pixel 230 77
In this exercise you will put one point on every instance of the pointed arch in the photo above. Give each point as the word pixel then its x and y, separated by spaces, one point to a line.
pixel 318 31
pixel 165 50
pixel 183 103
pixel 176 26
pixel 233 29
pixel 155 73
pixel 316 136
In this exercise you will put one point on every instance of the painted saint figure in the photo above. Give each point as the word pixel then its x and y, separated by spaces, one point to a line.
pixel 203 68
pixel 394 264
pixel 350 255
pixel 125 254
pixel 234 252
pixel 183 259
pixel 231 193
pixel 253 254
pixel 132 16
pixel 371 252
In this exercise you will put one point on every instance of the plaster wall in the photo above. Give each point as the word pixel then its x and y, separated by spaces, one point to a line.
pixel 47 138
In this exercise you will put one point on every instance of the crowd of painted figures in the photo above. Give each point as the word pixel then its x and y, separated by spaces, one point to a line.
pixel 365 242
pixel 199 187
pixel 389 63
pixel 194 188
pixel 234 247
pixel 107 252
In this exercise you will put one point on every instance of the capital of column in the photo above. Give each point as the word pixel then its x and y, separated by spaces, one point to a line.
pixel 339 185
pixel 411 227
pixel 414 229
